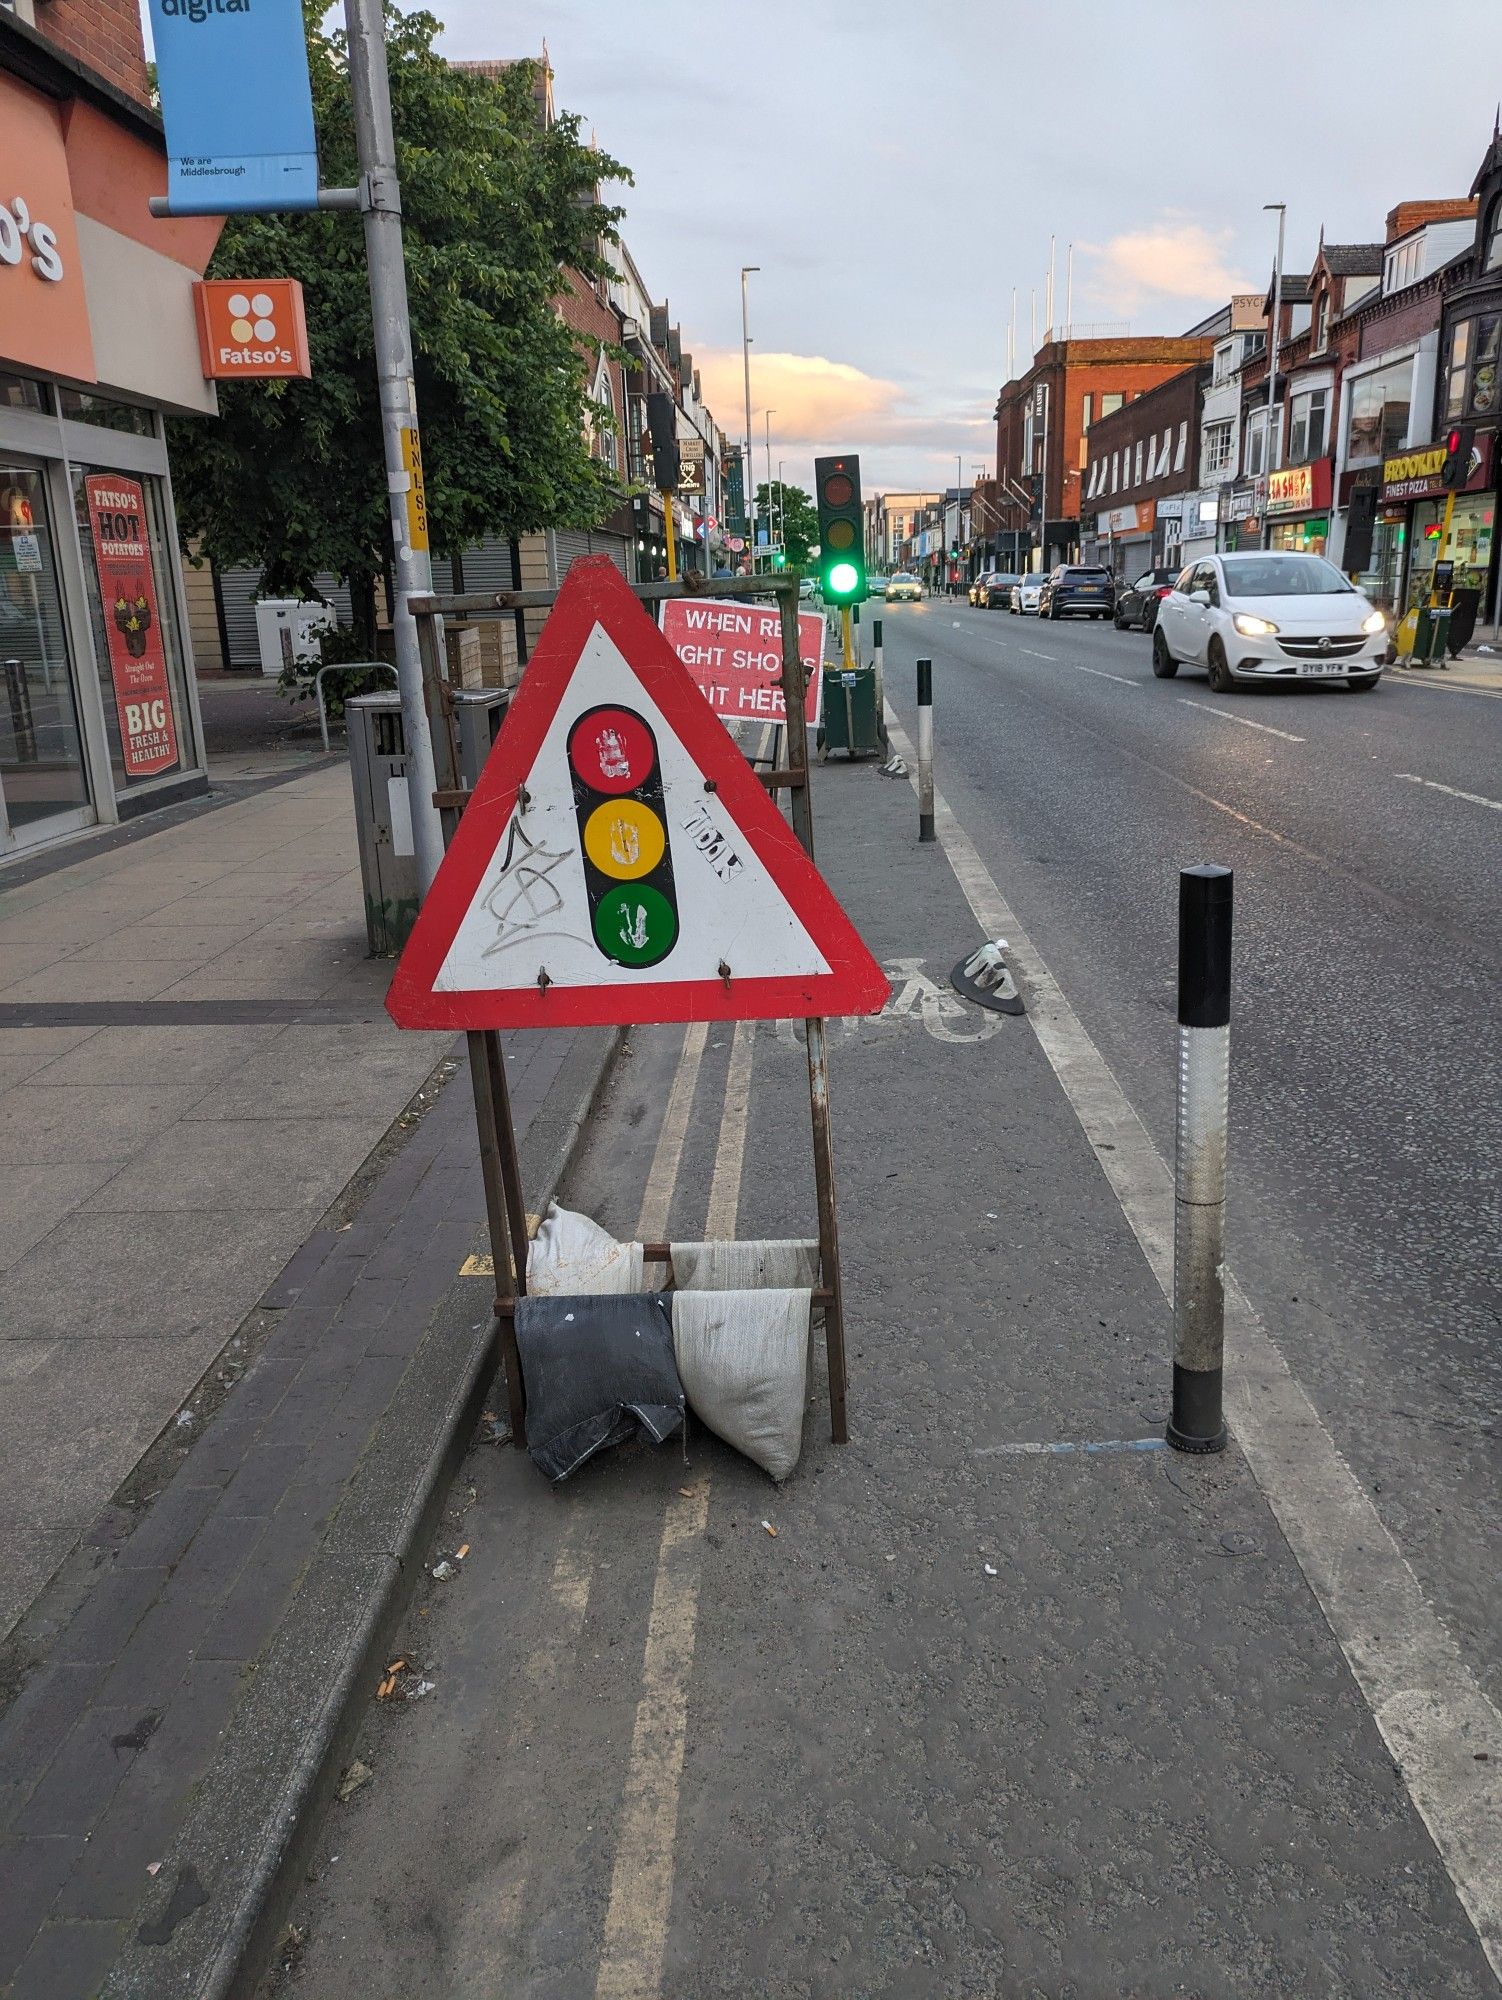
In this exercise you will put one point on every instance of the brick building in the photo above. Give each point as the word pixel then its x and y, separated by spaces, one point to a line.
pixel 98 344
pixel 1042 418
pixel 1142 503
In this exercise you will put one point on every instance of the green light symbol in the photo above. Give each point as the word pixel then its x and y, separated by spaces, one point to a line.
pixel 843 577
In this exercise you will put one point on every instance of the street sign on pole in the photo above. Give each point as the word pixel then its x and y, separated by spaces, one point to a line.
pixel 237 105
pixel 619 861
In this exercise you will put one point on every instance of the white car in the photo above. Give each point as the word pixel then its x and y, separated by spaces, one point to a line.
pixel 1026 591
pixel 1269 617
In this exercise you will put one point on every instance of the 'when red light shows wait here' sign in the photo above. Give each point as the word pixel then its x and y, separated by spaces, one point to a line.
pixel 734 652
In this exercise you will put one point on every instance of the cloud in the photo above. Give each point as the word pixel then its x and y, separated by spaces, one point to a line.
pixel 813 400
pixel 1176 259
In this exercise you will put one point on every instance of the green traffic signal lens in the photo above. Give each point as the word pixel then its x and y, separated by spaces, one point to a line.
pixel 843 578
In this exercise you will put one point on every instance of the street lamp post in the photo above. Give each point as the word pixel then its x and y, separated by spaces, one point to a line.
pixel 769 414
pixel 1272 356
pixel 746 475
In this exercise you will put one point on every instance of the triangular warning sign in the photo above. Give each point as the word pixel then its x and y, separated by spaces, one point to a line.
pixel 619 861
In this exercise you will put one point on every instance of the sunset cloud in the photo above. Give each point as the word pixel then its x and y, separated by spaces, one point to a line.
pixel 815 401
pixel 1176 259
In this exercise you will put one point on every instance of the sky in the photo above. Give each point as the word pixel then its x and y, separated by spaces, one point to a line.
pixel 896 170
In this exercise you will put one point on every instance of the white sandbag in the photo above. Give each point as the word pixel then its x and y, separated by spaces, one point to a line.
pixel 570 1253
pixel 743 1361
pixel 731 1267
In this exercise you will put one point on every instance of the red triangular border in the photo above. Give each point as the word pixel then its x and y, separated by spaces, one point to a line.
pixel 595 593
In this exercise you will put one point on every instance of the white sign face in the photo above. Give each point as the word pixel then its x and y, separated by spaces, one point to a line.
pixel 531 913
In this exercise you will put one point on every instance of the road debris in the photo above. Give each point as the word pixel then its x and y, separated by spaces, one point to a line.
pixel 770 1529
pixel 357 1775
pixel 442 1571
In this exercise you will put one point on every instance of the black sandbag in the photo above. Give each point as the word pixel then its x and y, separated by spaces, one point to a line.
pixel 595 1368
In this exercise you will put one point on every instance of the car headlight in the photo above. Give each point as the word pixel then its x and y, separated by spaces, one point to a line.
pixel 1376 623
pixel 1253 628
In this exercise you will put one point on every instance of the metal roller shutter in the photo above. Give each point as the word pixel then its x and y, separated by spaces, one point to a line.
pixel 569 543
pixel 239 587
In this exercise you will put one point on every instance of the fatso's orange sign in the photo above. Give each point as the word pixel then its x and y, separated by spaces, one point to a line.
pixel 251 328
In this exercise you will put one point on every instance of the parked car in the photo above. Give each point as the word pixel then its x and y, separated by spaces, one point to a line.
pixel 1077 590
pixel 977 591
pixel 1025 593
pixel 1137 603
pixel 997 595
pixel 904 585
pixel 1269 616
pixel 805 590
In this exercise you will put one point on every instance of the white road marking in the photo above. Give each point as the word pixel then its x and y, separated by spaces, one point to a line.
pixel 662 1176
pixel 1433 1716
pixel 1101 674
pixel 1396 677
pixel 641 1885
pixel 1245 720
pixel 1471 798
pixel 1036 656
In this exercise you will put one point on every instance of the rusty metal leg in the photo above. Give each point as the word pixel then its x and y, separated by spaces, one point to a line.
pixel 829 1235
pixel 500 1233
pixel 511 1166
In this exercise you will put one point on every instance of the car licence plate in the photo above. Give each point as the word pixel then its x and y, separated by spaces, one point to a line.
pixel 1091 589
pixel 1322 667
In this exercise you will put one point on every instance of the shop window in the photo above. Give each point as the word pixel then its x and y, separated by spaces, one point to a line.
pixel 130 577
pixel 80 406
pixel 42 771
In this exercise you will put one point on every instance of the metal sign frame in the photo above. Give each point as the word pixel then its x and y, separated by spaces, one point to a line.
pixel 500 1163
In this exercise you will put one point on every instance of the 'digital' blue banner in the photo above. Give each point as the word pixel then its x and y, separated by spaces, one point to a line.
pixel 237 105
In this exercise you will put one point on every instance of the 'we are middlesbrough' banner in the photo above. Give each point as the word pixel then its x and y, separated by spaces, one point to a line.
pixel 734 652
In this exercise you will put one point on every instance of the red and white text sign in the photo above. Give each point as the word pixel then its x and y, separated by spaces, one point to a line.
pixel 734 652
pixel 132 623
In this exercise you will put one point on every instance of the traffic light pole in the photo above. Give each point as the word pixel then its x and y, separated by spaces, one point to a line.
pixel 412 570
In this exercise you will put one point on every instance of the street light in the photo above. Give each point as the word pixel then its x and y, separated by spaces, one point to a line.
pixel 1281 209
pixel 746 475
pixel 769 414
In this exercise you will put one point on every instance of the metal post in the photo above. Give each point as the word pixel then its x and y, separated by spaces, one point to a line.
pixel 370 90
pixel 748 481
pixel 925 751
pixel 818 1053
pixel 1272 360
pixel 1199 1216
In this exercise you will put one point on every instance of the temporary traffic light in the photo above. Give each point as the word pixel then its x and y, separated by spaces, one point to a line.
pixel 662 423
pixel 842 554
pixel 1456 469
pixel 628 857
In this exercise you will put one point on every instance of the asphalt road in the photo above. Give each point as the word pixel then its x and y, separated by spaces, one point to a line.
pixel 1364 1216
pixel 1000 1698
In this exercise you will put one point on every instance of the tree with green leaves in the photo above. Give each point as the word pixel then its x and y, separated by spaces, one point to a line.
pixel 794 519
pixel 291 479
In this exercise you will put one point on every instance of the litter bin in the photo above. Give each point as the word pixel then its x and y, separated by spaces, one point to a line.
pixel 478 715
pixel 851 722
pixel 383 819
pixel 1432 634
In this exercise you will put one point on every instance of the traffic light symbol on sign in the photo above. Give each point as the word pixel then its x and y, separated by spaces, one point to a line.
pixel 1456 469
pixel 842 556
pixel 628 857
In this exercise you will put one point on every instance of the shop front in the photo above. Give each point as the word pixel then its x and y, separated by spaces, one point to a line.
pixel 1298 508
pixel 98 712
pixel 1412 494
pixel 1125 537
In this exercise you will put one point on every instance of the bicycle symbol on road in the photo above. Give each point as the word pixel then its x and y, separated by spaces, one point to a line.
pixel 915 998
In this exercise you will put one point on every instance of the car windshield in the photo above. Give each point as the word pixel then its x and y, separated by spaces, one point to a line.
pixel 1283 576
pixel 902 576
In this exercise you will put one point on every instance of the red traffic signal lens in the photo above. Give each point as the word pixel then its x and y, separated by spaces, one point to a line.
pixel 838 490
pixel 1452 442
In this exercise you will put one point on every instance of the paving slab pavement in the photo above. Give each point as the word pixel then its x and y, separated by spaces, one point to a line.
pixel 154 1177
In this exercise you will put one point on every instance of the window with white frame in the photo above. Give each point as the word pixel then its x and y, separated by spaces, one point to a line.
pixel 1215 454
pixel 1115 456
pixel 1163 449
pixel 1254 451
pixel 1306 426
pixel 1137 475
pixel 1321 323
pixel 1183 451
